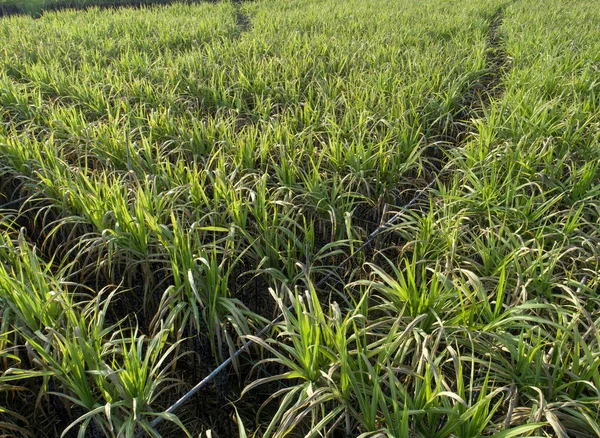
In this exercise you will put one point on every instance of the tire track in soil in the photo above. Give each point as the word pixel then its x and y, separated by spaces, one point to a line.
pixel 497 63
pixel 487 88
pixel 242 20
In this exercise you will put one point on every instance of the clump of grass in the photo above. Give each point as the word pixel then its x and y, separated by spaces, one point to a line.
pixel 109 374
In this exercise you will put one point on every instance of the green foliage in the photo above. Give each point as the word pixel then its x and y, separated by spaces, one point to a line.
pixel 182 161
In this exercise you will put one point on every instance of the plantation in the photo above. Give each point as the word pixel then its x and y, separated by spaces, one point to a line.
pixel 401 198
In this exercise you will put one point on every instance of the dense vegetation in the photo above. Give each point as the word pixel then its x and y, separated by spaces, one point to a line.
pixel 173 178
